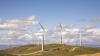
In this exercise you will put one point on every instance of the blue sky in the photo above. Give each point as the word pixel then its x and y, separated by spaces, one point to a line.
pixel 52 12
pixel 49 12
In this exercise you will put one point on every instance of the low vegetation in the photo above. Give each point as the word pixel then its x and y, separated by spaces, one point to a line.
pixel 50 50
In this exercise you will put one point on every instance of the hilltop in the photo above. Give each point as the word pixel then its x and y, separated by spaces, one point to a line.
pixel 50 50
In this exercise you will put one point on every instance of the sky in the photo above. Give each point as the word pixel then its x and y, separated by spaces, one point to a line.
pixel 15 15
pixel 69 12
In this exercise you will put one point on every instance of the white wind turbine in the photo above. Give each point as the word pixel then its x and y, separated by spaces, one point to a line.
pixel 43 36
pixel 80 37
pixel 61 28
pixel 88 28
pixel 81 32
pixel 62 33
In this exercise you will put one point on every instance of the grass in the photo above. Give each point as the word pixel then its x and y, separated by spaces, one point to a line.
pixel 5 54
pixel 52 50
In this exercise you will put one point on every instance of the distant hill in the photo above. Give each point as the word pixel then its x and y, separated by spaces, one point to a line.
pixel 7 46
pixel 4 47
pixel 49 50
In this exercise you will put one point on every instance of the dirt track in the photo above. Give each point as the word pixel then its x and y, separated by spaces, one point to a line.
pixel 96 54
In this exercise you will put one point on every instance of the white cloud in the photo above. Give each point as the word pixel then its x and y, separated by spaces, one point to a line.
pixel 97 19
pixel 23 35
pixel 16 31
pixel 27 36
pixel 16 23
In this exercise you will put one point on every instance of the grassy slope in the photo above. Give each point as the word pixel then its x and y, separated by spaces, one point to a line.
pixel 52 50
pixel 4 54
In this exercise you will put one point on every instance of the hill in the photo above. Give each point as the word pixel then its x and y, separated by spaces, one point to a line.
pixel 5 54
pixel 50 50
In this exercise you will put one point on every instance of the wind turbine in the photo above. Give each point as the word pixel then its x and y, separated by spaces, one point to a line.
pixel 80 38
pixel 88 30
pixel 59 32
pixel 42 36
pixel 61 28
pixel 62 33
pixel 81 32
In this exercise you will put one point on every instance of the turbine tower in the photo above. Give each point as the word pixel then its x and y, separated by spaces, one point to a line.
pixel 61 33
pixel 61 29
pixel 42 36
pixel 80 38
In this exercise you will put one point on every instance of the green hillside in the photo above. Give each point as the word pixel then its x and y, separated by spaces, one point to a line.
pixel 50 50
pixel 5 54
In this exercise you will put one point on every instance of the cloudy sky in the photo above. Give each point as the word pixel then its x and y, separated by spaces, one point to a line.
pixel 69 12
pixel 17 17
